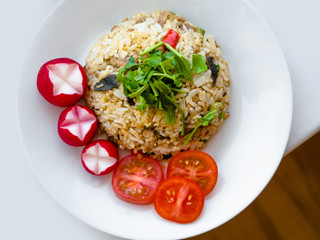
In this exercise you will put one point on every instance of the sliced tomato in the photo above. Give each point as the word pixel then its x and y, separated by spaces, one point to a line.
pixel 179 199
pixel 197 166
pixel 136 178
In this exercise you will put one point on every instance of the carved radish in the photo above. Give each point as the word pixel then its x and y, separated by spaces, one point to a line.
pixel 100 157
pixel 77 125
pixel 62 82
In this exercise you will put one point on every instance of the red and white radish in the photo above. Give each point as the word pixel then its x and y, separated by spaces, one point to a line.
pixel 62 82
pixel 99 157
pixel 77 125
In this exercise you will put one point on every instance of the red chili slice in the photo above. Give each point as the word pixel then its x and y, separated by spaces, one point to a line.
pixel 172 38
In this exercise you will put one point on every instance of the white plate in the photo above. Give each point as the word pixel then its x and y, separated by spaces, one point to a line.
pixel 248 149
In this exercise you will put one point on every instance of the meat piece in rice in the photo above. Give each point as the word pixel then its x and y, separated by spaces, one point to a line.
pixel 147 131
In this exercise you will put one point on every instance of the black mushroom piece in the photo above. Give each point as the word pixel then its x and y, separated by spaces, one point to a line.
pixel 130 101
pixel 106 83
pixel 214 70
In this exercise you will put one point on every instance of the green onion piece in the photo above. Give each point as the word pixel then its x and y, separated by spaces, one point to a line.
pixel 198 64
pixel 200 30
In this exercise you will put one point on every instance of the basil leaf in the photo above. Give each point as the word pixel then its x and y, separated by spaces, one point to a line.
pixel 198 64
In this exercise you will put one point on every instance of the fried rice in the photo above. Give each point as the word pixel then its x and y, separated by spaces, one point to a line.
pixel 147 131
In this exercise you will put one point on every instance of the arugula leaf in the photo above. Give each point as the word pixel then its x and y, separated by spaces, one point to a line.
pixel 198 64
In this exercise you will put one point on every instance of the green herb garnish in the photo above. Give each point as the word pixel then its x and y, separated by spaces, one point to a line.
pixel 198 64
pixel 200 30
pixel 156 79
pixel 204 121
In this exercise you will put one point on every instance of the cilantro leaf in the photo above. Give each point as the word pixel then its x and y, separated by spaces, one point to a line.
pixel 142 103
pixel 154 60
pixel 184 65
pixel 170 117
pixel 143 73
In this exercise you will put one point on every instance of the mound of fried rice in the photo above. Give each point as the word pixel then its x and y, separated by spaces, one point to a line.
pixel 123 123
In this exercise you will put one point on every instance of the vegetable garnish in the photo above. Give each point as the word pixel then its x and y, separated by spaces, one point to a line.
pixel 200 30
pixel 205 121
pixel 198 64
pixel 62 82
pixel 99 157
pixel 172 38
pixel 197 166
pixel 77 125
pixel 156 79
pixel 136 178
pixel 179 199
pixel 106 83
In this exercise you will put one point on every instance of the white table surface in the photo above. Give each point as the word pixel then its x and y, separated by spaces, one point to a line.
pixel 27 211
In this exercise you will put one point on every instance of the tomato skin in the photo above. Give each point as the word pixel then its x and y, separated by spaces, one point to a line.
pixel 136 178
pixel 197 166
pixel 172 38
pixel 46 86
pixel 179 199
